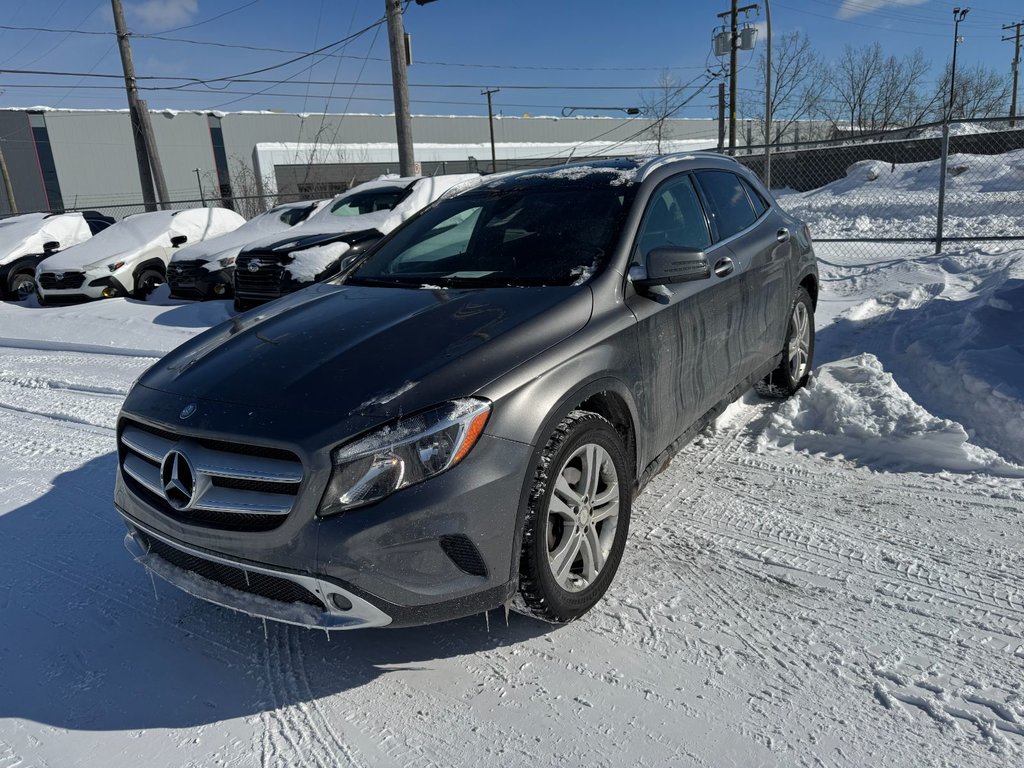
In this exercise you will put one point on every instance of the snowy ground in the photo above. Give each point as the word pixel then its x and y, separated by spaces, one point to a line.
pixel 838 580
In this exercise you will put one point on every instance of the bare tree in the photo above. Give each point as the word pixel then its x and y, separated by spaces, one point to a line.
pixel 799 83
pixel 244 194
pixel 870 91
pixel 980 92
pixel 660 103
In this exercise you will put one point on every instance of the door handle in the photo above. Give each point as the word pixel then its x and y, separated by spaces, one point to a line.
pixel 782 235
pixel 724 266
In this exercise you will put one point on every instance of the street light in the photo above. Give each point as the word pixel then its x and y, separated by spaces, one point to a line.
pixel 958 16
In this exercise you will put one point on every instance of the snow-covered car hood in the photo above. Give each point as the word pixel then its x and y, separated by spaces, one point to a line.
pixel 424 191
pixel 26 234
pixel 142 232
pixel 266 225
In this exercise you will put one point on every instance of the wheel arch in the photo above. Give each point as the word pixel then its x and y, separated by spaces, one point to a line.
pixel 809 282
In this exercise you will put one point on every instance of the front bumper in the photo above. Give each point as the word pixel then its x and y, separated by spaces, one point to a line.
pixel 192 280
pixel 79 286
pixel 170 560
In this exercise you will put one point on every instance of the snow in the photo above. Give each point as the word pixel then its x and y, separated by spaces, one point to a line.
pixel 26 235
pixel 229 244
pixel 837 579
pixel 313 261
pixel 142 232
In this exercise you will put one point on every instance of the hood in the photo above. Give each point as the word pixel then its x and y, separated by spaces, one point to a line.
pixel 348 351
pixel 25 235
pixel 424 191
pixel 267 225
pixel 142 232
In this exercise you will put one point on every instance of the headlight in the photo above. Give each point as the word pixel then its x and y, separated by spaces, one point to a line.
pixel 403 453
pixel 227 261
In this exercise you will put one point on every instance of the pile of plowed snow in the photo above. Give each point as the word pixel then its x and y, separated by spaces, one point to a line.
pixel 884 199
pixel 853 408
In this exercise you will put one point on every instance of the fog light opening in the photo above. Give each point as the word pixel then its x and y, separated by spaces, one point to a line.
pixel 109 292
pixel 341 602
pixel 220 290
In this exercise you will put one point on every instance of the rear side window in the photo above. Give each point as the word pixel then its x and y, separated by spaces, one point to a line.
pixel 674 218
pixel 729 206
pixel 759 203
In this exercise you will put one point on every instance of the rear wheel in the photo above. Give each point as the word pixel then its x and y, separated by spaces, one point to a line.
pixel 146 280
pixel 578 519
pixel 22 286
pixel 798 354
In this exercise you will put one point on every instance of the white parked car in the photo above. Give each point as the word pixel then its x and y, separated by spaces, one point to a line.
pixel 348 226
pixel 129 258
pixel 206 270
pixel 28 239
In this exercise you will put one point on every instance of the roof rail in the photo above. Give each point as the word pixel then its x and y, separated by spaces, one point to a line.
pixel 654 163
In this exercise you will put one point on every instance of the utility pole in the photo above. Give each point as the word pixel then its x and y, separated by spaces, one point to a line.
pixel 768 98
pixel 400 86
pixel 8 187
pixel 734 40
pixel 148 170
pixel 1016 68
pixel 490 119
pixel 721 116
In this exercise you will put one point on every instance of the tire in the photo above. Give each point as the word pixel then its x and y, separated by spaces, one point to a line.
pixel 146 279
pixel 797 355
pixel 560 578
pixel 21 286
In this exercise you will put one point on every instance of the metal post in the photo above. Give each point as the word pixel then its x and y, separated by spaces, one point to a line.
pixel 199 181
pixel 958 16
pixel 8 187
pixel 1016 69
pixel 400 86
pixel 141 154
pixel 490 119
pixel 768 97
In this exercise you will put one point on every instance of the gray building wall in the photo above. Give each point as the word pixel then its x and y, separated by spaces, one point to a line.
pixel 94 153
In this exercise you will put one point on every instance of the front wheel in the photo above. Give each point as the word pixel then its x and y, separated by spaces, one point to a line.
pixel 577 521
pixel 798 354
pixel 146 282
pixel 22 286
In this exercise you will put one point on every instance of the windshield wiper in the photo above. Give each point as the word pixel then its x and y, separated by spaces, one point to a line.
pixel 382 282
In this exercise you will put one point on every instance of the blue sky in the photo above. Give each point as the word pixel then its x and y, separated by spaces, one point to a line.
pixel 589 53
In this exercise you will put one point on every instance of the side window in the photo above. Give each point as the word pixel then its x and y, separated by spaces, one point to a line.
pixel 729 205
pixel 759 203
pixel 674 217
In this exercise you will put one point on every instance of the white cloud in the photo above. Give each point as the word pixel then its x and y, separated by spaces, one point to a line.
pixel 851 8
pixel 158 14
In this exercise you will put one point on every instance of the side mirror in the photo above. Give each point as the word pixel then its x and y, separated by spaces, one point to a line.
pixel 51 246
pixel 674 264
pixel 178 240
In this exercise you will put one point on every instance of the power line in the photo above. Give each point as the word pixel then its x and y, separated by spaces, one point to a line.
pixel 212 18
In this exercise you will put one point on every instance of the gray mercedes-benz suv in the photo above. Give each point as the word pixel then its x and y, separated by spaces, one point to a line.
pixel 463 417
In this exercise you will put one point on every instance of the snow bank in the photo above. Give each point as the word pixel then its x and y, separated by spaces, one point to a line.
pixel 854 409
pixel 901 199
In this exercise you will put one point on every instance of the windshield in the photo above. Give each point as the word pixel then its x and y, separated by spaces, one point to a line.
pixel 506 237
pixel 370 201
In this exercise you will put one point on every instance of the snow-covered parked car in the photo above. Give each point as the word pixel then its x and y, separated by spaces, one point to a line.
pixel 129 258
pixel 352 222
pixel 206 270
pixel 28 239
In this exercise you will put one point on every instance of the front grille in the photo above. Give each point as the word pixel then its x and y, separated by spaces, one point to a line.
pixel 464 554
pixel 267 281
pixel 227 486
pixel 182 276
pixel 67 281
pixel 264 585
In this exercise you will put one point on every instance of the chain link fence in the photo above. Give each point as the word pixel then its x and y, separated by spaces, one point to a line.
pixel 878 195
pixel 863 196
